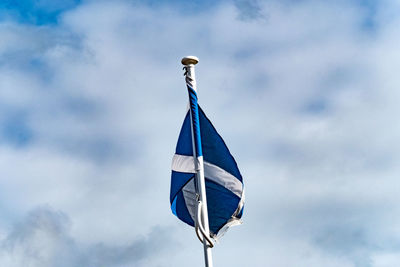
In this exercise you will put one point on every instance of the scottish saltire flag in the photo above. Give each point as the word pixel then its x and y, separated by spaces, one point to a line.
pixel 224 184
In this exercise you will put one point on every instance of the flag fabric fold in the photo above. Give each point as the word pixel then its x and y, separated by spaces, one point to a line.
pixel 223 181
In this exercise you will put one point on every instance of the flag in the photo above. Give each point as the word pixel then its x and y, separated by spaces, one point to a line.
pixel 223 181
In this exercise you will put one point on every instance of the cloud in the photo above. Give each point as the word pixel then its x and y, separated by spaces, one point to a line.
pixel 305 99
pixel 43 239
pixel 249 9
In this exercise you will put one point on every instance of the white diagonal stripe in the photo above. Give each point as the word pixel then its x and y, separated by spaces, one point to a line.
pixel 181 163
pixel 222 177
pixel 189 193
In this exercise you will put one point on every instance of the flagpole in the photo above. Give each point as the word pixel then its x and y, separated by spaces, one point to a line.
pixel 189 62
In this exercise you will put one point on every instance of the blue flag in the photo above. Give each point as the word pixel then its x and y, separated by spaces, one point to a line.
pixel 224 184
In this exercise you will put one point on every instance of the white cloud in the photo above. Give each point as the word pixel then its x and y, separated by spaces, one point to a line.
pixel 43 239
pixel 305 97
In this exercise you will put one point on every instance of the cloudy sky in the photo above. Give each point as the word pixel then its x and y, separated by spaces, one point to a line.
pixel 305 94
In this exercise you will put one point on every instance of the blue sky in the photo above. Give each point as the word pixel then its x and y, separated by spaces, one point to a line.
pixel 92 97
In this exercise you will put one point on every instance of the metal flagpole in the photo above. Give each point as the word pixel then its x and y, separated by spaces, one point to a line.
pixel 202 218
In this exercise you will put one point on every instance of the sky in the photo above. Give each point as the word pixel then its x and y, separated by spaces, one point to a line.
pixel 92 98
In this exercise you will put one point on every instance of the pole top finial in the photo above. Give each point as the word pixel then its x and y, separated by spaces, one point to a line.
pixel 190 60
